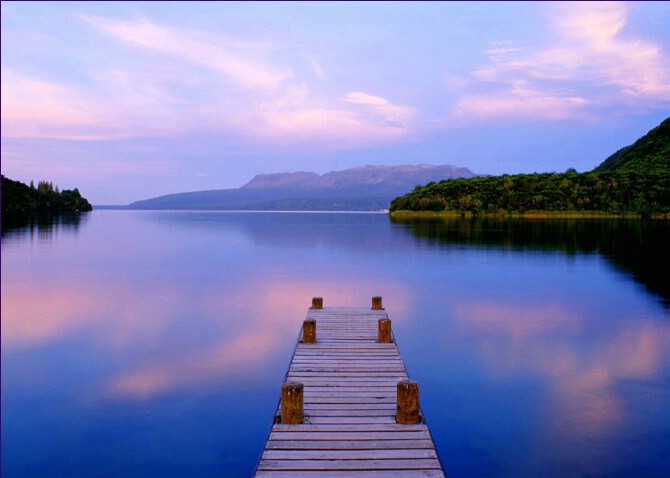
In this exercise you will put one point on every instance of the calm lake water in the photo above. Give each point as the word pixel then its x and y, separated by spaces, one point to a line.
pixel 154 344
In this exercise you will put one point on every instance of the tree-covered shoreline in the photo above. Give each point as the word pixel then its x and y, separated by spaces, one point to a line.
pixel 633 182
pixel 612 193
pixel 19 199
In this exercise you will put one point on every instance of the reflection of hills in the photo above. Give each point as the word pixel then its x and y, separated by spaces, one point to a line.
pixel 364 232
pixel 42 226
pixel 638 248
pixel 350 231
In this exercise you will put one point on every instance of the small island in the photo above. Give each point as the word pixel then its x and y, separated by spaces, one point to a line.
pixel 633 182
pixel 19 199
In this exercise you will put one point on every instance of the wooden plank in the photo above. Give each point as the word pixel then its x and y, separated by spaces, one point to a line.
pixel 360 464
pixel 348 419
pixel 381 376
pixel 338 362
pixel 348 444
pixel 378 435
pixel 354 400
pixel 358 380
pixel 317 408
pixel 311 395
pixel 395 427
pixel 374 454
pixel 351 474
pixel 321 413
pixel 350 384
pixel 347 388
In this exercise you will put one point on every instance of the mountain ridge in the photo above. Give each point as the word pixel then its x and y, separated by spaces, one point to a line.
pixel 389 175
pixel 362 188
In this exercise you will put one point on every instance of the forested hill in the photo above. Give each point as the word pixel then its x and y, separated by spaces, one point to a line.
pixel 18 198
pixel 634 180
pixel 651 153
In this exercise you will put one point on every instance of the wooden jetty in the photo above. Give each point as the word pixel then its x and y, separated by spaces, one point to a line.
pixel 348 407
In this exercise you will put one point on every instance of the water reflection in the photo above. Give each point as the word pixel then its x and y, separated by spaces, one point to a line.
pixel 565 375
pixel 166 342
pixel 638 248
pixel 155 343
pixel 361 232
pixel 581 367
pixel 41 226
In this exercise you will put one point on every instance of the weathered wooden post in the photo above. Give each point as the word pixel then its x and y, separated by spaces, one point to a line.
pixel 407 411
pixel 377 303
pixel 292 411
pixel 317 302
pixel 384 331
pixel 309 331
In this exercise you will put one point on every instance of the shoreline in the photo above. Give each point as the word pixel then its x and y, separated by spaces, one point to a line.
pixel 531 215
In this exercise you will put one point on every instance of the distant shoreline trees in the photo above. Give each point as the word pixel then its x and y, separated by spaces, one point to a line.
pixel 633 181
pixel 614 193
pixel 21 199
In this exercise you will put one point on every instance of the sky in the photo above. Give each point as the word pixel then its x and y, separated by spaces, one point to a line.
pixel 133 100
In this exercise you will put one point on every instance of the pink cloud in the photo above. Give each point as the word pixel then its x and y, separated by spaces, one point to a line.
pixel 519 101
pixel 588 63
pixel 298 116
pixel 360 98
pixel 241 62
pixel 242 92
pixel 331 128
pixel 35 108
pixel 128 104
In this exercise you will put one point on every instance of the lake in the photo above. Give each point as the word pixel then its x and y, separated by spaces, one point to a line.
pixel 154 344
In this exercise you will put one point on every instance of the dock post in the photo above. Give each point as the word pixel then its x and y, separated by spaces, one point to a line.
pixel 309 331
pixel 384 331
pixel 407 411
pixel 292 411
pixel 377 303
pixel 317 303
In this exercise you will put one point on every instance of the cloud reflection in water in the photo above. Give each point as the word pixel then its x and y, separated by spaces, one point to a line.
pixel 584 374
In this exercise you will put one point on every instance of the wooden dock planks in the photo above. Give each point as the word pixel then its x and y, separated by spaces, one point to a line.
pixel 349 429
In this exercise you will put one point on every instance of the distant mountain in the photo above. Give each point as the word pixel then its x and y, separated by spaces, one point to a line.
pixel 364 188
pixel 362 176
pixel 649 154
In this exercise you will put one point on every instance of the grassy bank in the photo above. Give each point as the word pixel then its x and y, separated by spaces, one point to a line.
pixel 530 215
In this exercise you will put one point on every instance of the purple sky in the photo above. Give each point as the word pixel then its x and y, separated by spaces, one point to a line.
pixel 131 100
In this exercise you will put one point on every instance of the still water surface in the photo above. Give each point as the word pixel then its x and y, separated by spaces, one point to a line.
pixel 154 344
